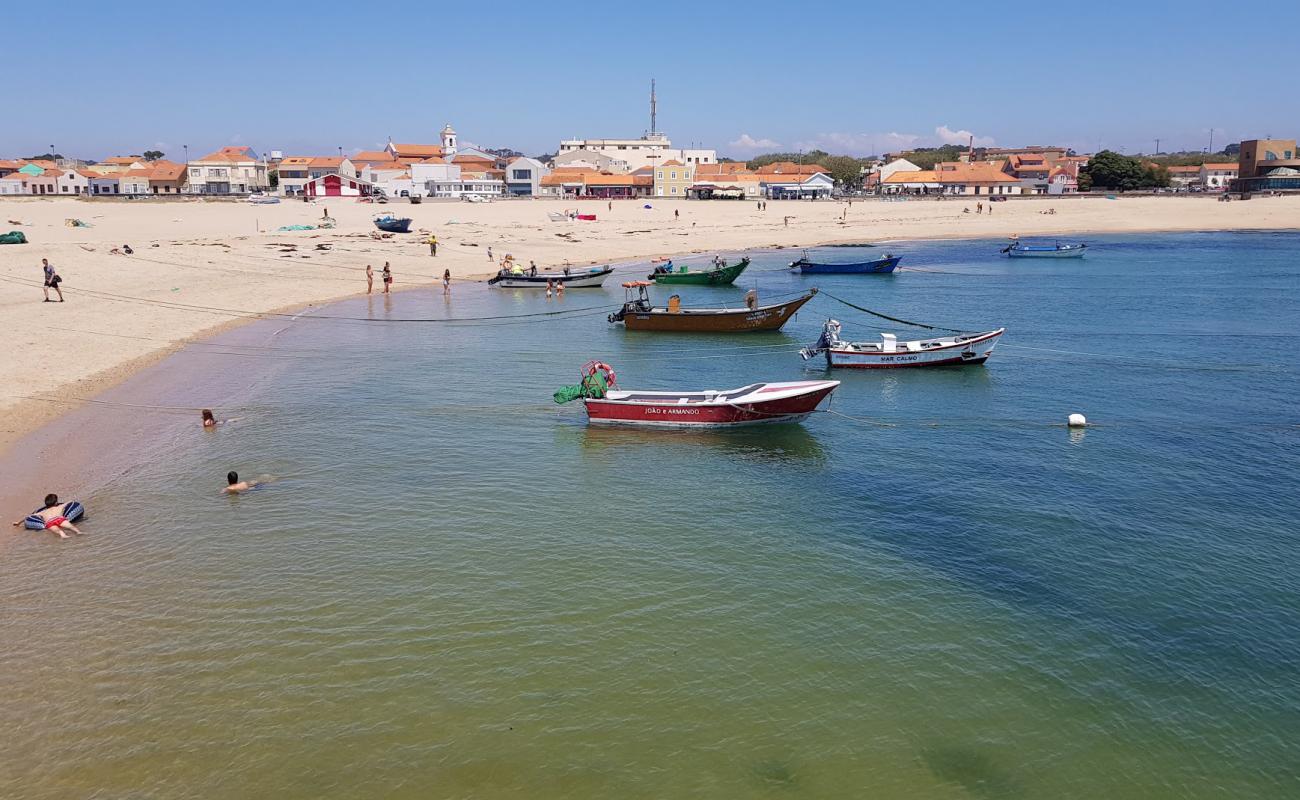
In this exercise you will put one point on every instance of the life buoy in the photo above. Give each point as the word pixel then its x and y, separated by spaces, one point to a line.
pixel 599 366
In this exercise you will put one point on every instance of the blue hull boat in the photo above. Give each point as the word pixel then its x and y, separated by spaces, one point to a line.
pixel 393 224
pixel 880 266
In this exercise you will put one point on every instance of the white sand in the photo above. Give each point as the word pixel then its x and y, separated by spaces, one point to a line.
pixel 219 254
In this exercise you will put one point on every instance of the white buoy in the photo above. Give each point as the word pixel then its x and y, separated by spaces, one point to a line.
pixel 1077 421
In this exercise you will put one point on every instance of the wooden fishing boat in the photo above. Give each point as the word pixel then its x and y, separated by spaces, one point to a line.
pixel 393 224
pixel 1019 249
pixel 571 278
pixel 962 348
pixel 880 266
pixel 720 275
pixel 638 314
pixel 755 404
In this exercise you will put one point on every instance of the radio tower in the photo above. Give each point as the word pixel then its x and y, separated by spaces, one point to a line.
pixel 653 131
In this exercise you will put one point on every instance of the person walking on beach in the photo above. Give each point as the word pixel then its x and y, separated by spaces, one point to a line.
pixel 433 245
pixel 370 279
pixel 388 277
pixel 677 213
pixel 446 282
pixel 54 516
pixel 489 252
pixel 52 280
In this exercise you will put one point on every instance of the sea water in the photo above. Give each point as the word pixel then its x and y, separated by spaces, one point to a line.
pixel 455 588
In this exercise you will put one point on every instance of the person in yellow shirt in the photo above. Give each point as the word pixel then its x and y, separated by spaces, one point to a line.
pixel 433 245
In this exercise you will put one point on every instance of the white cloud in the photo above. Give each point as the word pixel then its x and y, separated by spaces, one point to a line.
pixel 747 142
pixel 859 144
pixel 947 135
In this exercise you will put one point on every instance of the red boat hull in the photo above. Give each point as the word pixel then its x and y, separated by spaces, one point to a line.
pixel 674 415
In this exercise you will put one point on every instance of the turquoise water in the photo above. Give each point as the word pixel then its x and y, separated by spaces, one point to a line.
pixel 458 589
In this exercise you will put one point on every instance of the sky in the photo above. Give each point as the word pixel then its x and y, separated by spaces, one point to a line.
pixel 853 77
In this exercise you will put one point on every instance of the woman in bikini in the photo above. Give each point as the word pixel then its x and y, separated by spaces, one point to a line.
pixel 388 277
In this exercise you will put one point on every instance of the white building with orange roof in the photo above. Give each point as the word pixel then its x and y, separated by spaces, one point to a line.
pixel 230 170
pixel 1217 176
pixel 13 183
pixel 73 182
pixel 1183 176
pixel 976 178
pixel 120 164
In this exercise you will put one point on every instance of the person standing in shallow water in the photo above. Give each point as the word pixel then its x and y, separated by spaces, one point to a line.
pixel 388 277
pixel 370 279
pixel 446 282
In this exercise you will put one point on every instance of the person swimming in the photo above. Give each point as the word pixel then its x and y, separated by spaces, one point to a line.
pixel 209 421
pixel 54 515
pixel 235 486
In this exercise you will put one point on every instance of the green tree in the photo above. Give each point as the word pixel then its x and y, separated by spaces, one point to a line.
pixel 153 155
pixel 846 170
pixel 1110 170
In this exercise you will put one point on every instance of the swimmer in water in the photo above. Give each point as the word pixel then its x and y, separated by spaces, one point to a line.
pixel 209 421
pixel 235 486
pixel 53 516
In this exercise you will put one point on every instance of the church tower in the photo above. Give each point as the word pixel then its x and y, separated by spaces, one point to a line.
pixel 448 142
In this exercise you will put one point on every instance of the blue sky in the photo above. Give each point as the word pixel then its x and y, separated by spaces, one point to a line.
pixel 855 77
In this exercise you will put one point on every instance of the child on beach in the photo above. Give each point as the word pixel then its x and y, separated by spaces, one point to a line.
pixel 54 516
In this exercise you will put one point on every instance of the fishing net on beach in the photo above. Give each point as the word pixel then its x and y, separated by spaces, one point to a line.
pixel 13 237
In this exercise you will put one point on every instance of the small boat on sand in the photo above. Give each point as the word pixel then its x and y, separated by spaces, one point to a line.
pixel 571 278
pixel 1018 249
pixel 638 314
pixel 754 404
pixel 960 348
pixel 393 224
pixel 721 274
pixel 880 266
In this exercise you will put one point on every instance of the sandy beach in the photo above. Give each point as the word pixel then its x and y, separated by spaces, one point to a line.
pixel 200 266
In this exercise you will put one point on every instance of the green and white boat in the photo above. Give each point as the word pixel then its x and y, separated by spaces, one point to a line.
pixel 722 275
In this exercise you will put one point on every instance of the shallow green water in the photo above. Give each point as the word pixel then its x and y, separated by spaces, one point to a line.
pixel 457 589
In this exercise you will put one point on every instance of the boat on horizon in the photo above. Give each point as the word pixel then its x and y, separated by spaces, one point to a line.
pixel 755 404
pixel 1018 249
pixel 571 278
pixel 639 314
pixel 393 224
pixel 888 352
pixel 879 266
pixel 721 274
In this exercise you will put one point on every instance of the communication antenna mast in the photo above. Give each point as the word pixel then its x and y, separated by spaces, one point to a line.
pixel 653 130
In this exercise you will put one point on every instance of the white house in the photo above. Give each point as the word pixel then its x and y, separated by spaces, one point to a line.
pixel 73 182
pixel 13 184
pixel 230 170
pixel 895 166
pixel 391 179
pixel 133 181
pixel 524 176
pixel 1217 176
pixel 600 162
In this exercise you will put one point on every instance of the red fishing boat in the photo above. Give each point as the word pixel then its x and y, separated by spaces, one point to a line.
pixel 754 404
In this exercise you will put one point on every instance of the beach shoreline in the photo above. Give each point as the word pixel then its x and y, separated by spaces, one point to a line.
pixel 118 343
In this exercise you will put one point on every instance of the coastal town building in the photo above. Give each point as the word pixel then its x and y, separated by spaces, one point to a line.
pixel 1217 176
pixel 13 183
pixel 133 182
pixel 650 150
pixel 1268 165
pixel 785 180
pixel 44 182
pixel 1183 176
pixel 583 157
pixel 673 178
pixel 166 177
pixel 586 182
pixel 911 181
pixel 332 184
pixel 295 171
pixel 230 170
pixel 72 182
pixel 104 184
pixel 524 176
pixel 976 178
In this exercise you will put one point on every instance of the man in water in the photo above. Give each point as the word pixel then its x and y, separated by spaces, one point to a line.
pixel 53 517
pixel 52 280
pixel 235 486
